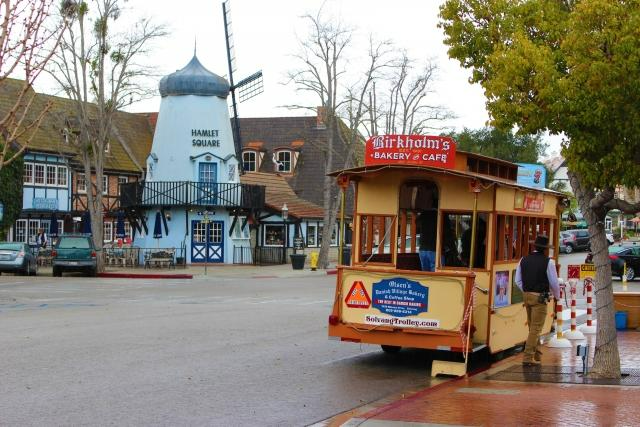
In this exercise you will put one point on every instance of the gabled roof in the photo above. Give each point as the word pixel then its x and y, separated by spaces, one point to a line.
pixel 301 134
pixel 278 192
pixel 128 147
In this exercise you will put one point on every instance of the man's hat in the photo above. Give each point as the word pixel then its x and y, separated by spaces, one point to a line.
pixel 542 241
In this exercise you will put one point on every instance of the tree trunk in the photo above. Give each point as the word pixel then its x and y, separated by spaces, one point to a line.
pixel 606 361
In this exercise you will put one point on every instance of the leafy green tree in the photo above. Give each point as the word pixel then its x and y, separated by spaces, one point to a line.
pixel 501 144
pixel 568 67
pixel 10 191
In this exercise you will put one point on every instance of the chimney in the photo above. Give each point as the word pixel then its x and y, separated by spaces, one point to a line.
pixel 321 117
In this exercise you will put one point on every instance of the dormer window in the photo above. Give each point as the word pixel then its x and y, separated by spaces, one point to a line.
pixel 282 161
pixel 250 161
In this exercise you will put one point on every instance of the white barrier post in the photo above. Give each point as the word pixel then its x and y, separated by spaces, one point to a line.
pixel 573 334
pixel 558 340
pixel 590 328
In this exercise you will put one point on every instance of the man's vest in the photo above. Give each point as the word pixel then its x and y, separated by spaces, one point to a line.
pixel 533 269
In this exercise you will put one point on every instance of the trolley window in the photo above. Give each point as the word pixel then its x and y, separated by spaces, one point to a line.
pixel 455 239
pixel 514 232
pixel 376 234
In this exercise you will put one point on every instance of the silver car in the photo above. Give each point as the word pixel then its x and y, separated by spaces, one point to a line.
pixel 17 258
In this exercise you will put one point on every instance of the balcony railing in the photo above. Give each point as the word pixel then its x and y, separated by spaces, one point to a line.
pixel 189 193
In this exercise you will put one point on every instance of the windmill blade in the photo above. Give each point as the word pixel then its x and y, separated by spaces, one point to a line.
pixel 231 52
pixel 250 87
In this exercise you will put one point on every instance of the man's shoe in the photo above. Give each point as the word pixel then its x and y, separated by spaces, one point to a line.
pixel 531 363
pixel 538 356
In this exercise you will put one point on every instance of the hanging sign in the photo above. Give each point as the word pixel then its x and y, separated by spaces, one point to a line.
pixel 420 150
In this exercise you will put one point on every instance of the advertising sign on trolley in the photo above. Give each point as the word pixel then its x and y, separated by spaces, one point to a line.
pixel 419 150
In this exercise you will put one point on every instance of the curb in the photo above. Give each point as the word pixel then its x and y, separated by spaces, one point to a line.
pixel 144 276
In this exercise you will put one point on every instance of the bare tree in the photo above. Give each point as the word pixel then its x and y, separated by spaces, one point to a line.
pixel 323 73
pixel 99 71
pixel 26 45
pixel 404 109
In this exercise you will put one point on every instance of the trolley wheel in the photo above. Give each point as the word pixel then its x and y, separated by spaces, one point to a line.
pixel 630 274
pixel 391 349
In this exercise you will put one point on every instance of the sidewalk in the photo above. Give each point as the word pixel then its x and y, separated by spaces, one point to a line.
pixel 508 394
pixel 213 270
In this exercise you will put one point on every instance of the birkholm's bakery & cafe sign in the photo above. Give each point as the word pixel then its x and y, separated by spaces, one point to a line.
pixel 420 150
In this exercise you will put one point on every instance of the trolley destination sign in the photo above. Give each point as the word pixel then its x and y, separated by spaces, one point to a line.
pixel 420 150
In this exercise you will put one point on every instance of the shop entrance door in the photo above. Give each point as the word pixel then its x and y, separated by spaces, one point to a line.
pixel 207 241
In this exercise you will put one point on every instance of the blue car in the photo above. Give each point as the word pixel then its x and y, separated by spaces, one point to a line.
pixel 17 258
pixel 74 253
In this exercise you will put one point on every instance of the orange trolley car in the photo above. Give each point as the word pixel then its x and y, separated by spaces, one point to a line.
pixel 483 221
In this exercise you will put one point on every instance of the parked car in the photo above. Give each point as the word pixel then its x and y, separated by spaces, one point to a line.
pixel 567 242
pixel 74 253
pixel 17 258
pixel 619 255
pixel 581 241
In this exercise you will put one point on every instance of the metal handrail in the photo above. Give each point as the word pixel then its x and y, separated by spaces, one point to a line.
pixel 191 193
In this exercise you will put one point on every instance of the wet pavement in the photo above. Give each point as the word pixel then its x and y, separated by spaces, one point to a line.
pixel 527 398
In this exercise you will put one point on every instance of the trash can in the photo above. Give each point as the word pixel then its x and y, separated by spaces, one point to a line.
pixel 297 261
pixel 621 320
pixel 346 255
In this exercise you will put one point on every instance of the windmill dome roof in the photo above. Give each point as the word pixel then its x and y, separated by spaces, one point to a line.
pixel 194 79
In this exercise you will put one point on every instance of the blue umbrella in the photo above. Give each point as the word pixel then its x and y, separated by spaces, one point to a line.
pixel 53 225
pixel 120 226
pixel 157 227
pixel 86 223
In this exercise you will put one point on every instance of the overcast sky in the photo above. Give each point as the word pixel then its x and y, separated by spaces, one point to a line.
pixel 266 33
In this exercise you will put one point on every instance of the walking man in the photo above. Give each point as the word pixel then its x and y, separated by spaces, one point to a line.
pixel 536 276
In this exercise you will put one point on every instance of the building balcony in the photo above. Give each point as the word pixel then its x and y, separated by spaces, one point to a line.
pixel 143 194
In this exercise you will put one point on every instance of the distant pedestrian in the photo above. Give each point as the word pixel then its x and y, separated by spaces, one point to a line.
pixel 536 276
pixel 41 238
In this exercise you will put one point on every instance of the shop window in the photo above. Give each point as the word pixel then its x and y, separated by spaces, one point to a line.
pixel 273 235
pixel 38 174
pixel 238 231
pixel 455 239
pixel 107 230
pixel 249 161
pixel 376 234
pixel 81 183
pixel 21 231
pixel 27 177
pixel 312 229
pixel 334 235
pixel 282 160
pixel 62 176
pixel 34 224
pixel 51 175
pixel 122 180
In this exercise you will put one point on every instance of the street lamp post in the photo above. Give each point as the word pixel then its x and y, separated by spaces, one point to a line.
pixel 285 216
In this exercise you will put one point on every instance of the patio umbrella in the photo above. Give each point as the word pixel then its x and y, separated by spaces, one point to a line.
pixel 86 223
pixel 120 234
pixel 53 225
pixel 157 227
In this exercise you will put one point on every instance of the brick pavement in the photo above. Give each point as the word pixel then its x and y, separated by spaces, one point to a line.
pixel 478 400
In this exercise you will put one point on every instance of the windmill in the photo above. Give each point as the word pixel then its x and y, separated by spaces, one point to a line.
pixel 246 88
